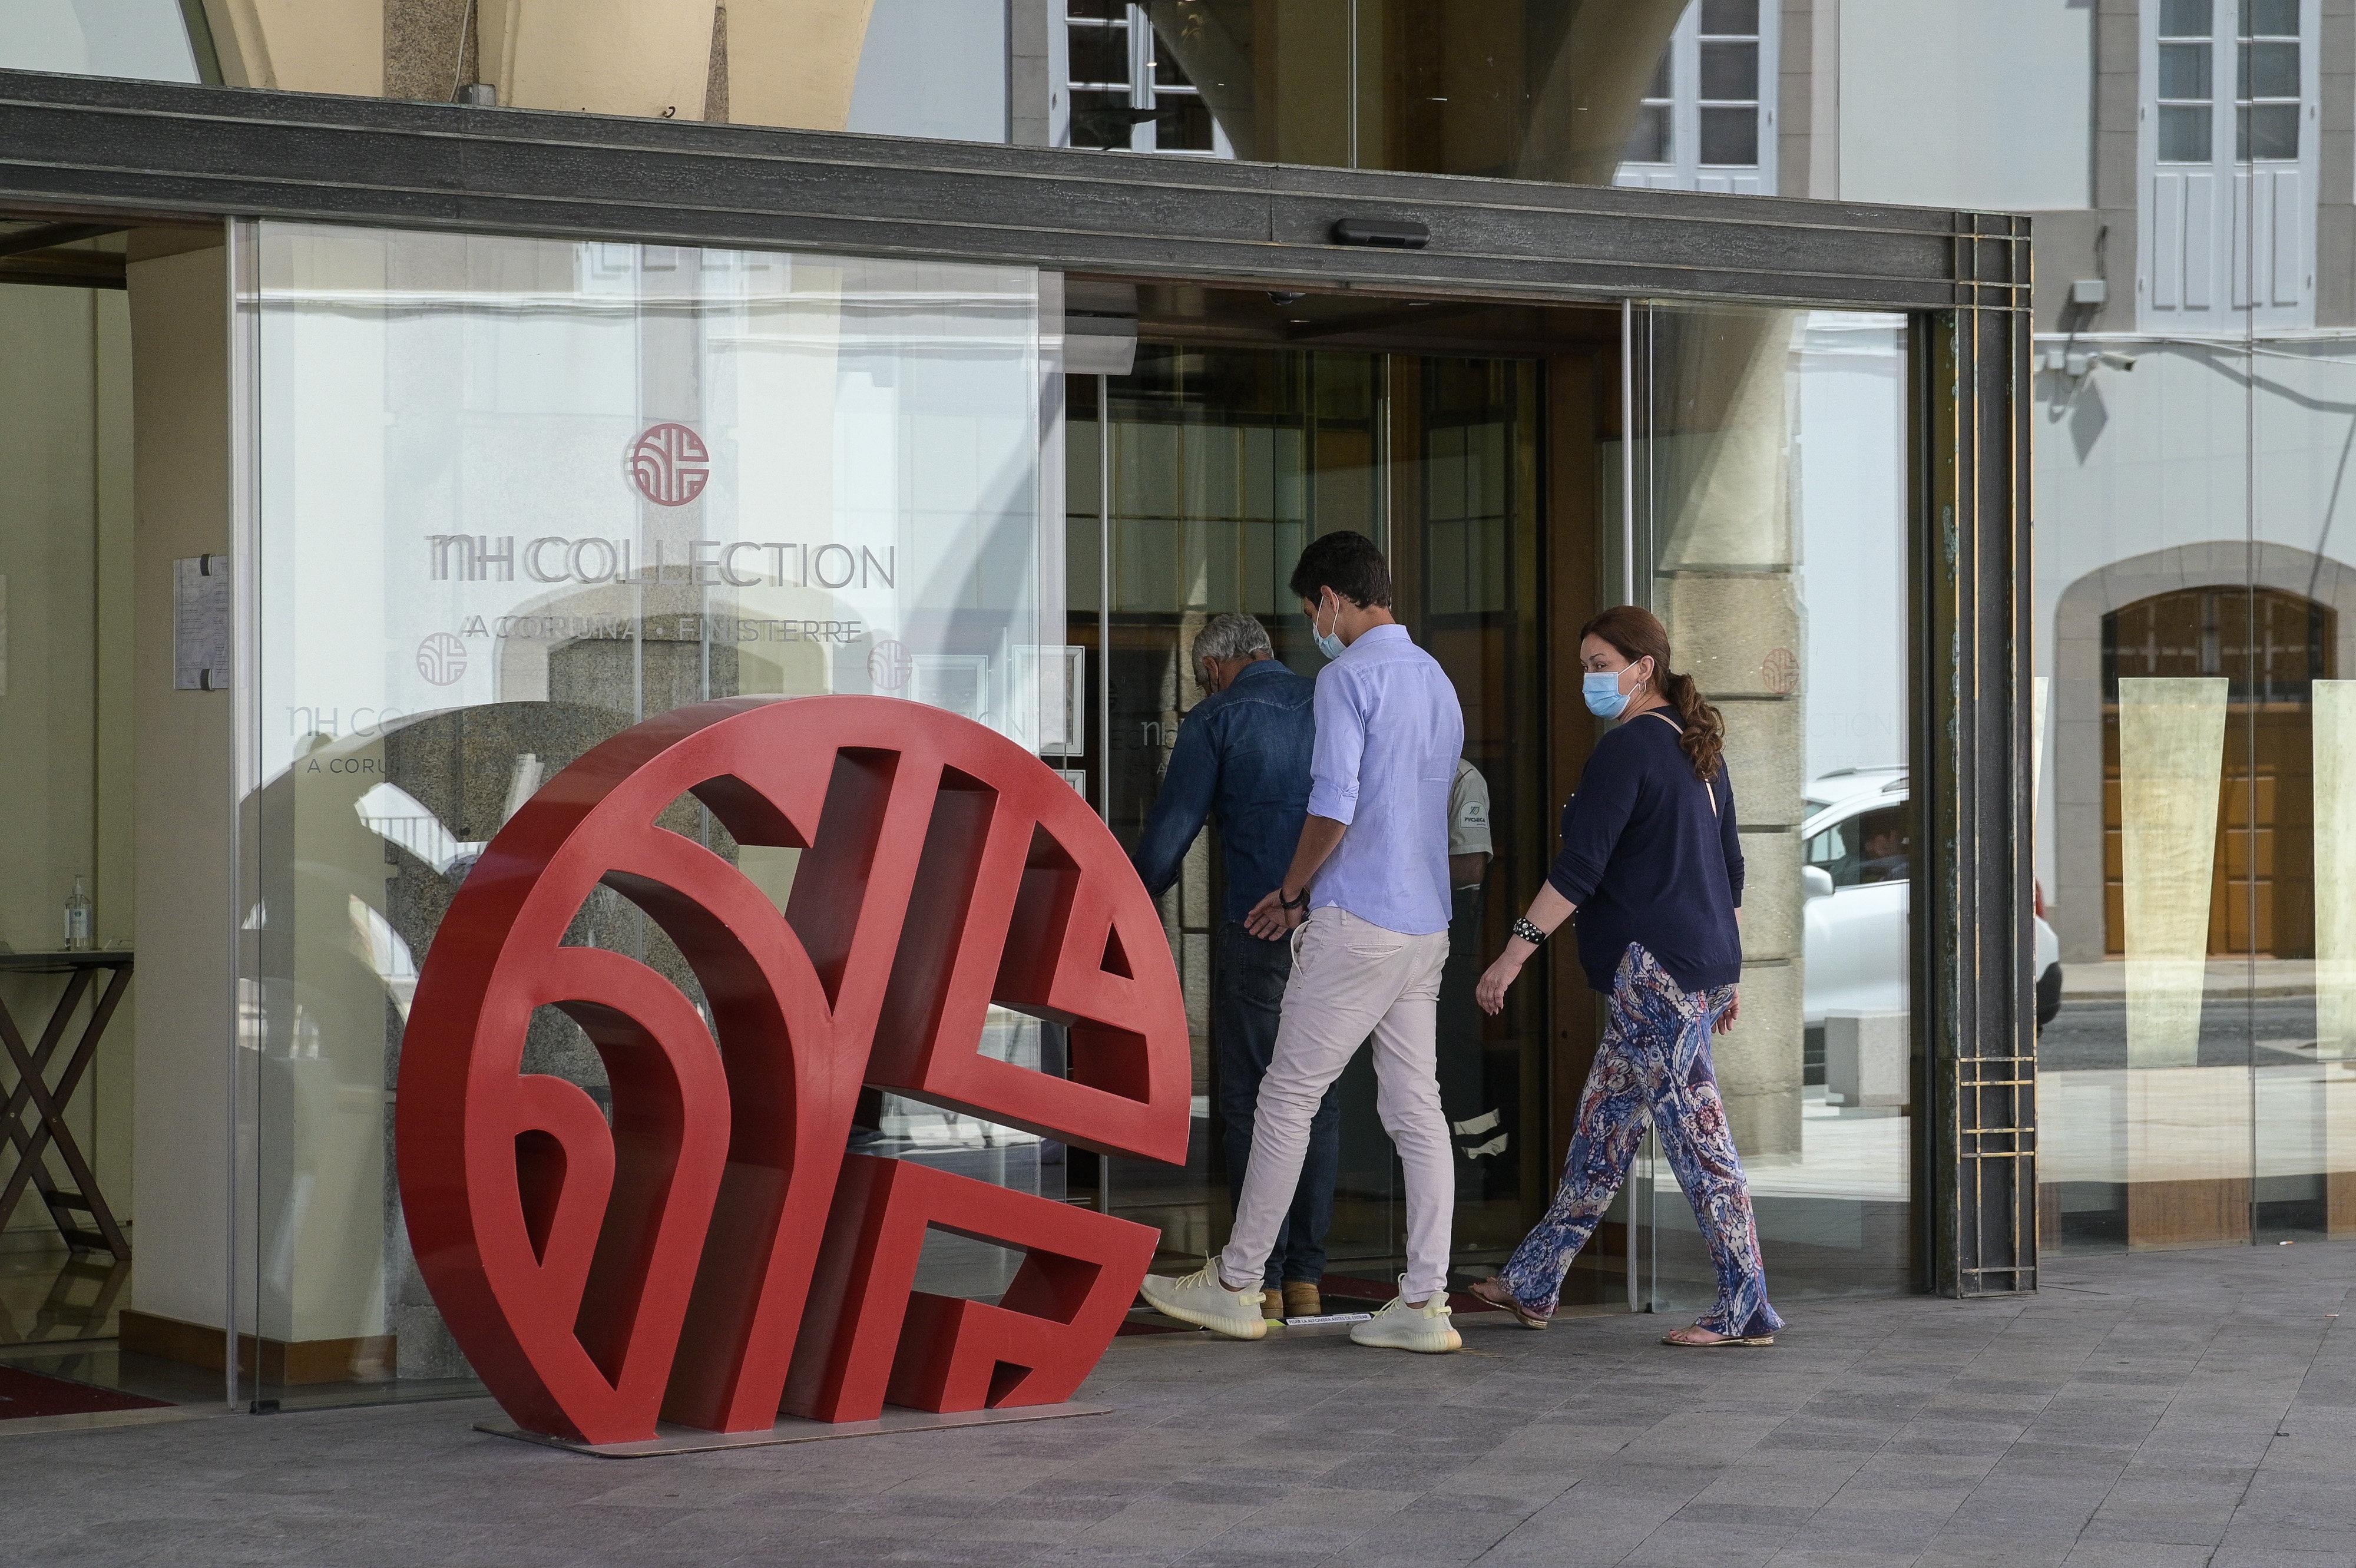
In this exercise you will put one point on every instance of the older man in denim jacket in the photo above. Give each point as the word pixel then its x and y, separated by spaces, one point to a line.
pixel 1242 758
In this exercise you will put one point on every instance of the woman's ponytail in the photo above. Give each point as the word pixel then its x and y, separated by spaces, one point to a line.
pixel 1637 633
pixel 1704 741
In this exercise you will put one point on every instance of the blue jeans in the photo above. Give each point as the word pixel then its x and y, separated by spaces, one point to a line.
pixel 1245 1012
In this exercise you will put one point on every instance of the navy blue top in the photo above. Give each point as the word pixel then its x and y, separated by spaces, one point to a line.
pixel 1646 860
pixel 1243 756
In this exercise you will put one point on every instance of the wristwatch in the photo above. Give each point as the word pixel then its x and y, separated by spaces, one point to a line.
pixel 1284 903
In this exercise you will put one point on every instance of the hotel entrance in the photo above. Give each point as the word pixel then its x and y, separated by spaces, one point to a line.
pixel 1247 425
pixel 491 489
pixel 1760 509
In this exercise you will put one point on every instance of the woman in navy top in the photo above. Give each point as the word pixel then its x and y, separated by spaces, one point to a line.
pixel 1652 862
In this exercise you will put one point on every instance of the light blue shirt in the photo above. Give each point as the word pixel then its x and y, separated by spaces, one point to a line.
pixel 1389 731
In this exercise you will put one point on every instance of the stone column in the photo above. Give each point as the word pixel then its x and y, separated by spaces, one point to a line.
pixel 1724 546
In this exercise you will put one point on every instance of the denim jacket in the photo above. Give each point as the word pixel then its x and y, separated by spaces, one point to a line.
pixel 1243 757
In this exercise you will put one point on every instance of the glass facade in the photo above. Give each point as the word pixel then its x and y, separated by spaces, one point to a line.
pixel 67 735
pixel 2194 1081
pixel 1225 463
pixel 146 38
pixel 1508 88
pixel 513 497
pixel 510 496
pixel 1772 483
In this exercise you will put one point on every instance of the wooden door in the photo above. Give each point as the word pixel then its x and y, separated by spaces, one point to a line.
pixel 2271 646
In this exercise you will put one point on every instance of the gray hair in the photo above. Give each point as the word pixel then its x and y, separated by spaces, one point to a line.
pixel 1231 636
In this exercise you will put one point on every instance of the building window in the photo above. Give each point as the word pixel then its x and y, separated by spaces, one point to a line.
pixel 1708 119
pixel 2227 224
pixel 1125 93
pixel 2186 81
pixel 2267 92
pixel 1728 51
pixel 1655 140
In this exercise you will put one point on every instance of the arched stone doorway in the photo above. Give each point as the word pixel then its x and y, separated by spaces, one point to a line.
pixel 2270 646
pixel 2191 610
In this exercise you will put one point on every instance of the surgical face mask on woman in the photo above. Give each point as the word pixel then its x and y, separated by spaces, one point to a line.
pixel 1329 643
pixel 1605 700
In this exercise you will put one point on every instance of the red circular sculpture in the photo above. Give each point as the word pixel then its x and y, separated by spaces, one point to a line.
pixel 713 1254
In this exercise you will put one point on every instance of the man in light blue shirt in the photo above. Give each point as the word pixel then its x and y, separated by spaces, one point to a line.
pixel 1386 716
pixel 1370 880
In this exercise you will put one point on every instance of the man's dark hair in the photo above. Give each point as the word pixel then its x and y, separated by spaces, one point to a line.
pixel 1348 563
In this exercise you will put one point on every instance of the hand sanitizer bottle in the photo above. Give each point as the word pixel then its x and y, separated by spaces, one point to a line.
pixel 78 924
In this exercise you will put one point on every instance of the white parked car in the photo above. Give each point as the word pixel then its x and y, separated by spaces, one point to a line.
pixel 1856 844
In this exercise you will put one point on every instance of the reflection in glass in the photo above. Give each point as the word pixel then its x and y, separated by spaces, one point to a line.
pixel 2269 70
pixel 2183 133
pixel 2335 870
pixel 516 496
pixel 1512 88
pixel 2184 70
pixel 2171 748
pixel 1772 495
pixel 1226 461
pixel 1650 144
pixel 1730 71
pixel 2188 19
pixel 1707 120
pixel 2308 1110
pixel 1729 135
pixel 1735 17
pixel 1099 55
pixel 1653 141
pixel 2269 18
pixel 2194 628
pixel 142 40
pixel 2268 132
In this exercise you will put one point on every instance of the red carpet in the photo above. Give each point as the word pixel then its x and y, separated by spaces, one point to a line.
pixel 23 1393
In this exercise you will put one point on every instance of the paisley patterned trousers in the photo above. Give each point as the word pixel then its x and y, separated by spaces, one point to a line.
pixel 1655 1054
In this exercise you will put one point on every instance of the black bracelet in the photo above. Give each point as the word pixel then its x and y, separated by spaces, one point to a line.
pixel 1284 903
pixel 1526 929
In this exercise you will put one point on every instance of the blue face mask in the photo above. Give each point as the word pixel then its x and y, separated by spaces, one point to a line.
pixel 1605 700
pixel 1329 643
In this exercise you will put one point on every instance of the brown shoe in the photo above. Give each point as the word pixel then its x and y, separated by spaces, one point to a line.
pixel 1302 1299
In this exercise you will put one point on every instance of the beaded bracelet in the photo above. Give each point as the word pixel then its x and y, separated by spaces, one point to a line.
pixel 1527 931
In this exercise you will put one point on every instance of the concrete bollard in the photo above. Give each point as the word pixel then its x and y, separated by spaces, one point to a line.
pixel 1866 1059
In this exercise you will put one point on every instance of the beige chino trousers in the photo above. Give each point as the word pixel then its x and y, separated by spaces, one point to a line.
pixel 1352 979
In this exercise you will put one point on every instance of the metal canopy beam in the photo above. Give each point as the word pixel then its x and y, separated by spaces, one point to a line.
pixel 92 145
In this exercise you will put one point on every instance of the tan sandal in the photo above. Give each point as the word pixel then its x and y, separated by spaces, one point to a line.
pixel 1494 1290
pixel 1714 1342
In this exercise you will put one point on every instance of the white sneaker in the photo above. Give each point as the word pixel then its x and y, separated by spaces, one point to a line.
pixel 1398 1327
pixel 1203 1299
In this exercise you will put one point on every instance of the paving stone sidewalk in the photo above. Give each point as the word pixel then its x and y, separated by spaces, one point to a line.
pixel 2148 1412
